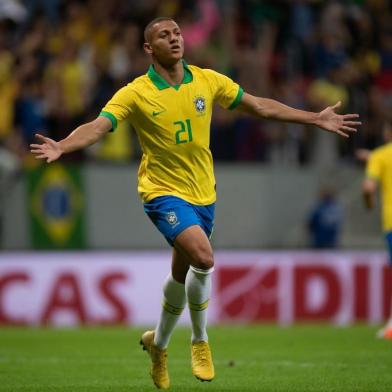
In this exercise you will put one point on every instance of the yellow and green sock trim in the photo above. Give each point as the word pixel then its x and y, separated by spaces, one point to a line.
pixel 199 307
pixel 171 309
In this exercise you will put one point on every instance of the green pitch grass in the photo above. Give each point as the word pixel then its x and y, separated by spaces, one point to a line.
pixel 257 358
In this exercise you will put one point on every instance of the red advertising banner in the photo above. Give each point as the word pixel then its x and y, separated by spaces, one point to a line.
pixel 71 288
pixel 287 287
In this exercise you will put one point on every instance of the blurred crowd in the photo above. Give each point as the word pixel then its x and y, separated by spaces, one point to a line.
pixel 60 61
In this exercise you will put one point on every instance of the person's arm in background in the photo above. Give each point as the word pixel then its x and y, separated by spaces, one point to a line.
pixel 369 188
pixel 81 137
pixel 274 110
pixel 362 154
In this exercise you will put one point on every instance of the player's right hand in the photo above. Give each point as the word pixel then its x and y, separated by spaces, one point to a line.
pixel 48 149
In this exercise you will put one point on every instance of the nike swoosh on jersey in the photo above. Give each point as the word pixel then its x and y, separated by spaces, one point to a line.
pixel 156 113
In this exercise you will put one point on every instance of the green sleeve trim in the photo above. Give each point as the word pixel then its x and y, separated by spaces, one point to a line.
pixel 111 118
pixel 237 99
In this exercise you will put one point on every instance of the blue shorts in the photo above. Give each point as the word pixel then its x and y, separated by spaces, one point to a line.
pixel 172 215
pixel 388 237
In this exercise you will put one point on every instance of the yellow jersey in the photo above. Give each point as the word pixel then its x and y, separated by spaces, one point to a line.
pixel 379 167
pixel 173 127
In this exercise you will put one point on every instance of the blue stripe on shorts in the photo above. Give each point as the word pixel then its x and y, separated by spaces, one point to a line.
pixel 172 215
pixel 388 237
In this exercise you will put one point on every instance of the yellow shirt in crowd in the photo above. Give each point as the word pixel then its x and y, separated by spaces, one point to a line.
pixel 173 127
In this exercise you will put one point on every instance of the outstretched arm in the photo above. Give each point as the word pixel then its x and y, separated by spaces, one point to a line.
pixel 328 119
pixel 81 137
pixel 369 188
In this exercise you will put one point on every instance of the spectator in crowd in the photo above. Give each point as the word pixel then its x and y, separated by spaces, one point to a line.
pixel 325 220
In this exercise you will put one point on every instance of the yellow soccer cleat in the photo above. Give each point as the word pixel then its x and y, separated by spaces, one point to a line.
pixel 202 366
pixel 158 371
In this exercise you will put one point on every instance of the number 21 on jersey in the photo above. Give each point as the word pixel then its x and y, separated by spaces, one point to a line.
pixel 183 131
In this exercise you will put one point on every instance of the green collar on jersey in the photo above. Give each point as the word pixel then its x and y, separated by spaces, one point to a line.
pixel 161 83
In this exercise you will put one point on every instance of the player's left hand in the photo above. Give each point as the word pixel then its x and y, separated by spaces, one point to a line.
pixel 342 124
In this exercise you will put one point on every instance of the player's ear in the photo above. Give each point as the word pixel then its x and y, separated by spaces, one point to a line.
pixel 147 48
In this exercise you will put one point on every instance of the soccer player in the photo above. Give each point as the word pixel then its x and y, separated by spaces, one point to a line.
pixel 379 174
pixel 170 107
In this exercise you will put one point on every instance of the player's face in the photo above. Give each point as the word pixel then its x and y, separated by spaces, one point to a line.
pixel 166 42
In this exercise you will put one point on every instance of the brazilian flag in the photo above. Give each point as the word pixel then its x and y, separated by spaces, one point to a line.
pixel 56 207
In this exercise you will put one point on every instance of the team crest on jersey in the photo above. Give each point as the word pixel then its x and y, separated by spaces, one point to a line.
pixel 171 217
pixel 200 104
